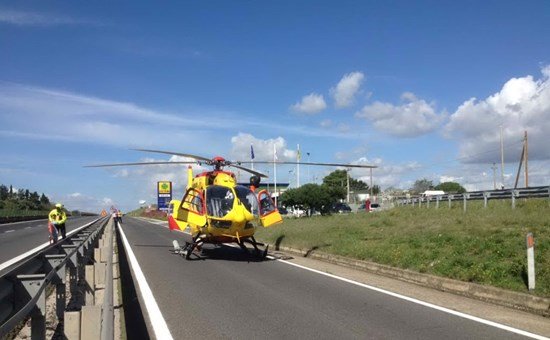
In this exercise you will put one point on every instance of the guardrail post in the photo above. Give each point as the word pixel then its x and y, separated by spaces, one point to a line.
pixel 428 202
pixel 73 267
pixel 32 284
pixel 514 195
pixel 465 199
pixel 59 281
pixel 485 198
pixel 437 198
pixel 450 197
pixel 420 202
pixel 89 285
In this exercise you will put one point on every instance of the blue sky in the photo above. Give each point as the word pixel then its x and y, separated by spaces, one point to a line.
pixel 419 89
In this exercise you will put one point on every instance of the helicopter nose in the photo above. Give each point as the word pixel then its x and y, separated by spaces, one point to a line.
pixel 239 216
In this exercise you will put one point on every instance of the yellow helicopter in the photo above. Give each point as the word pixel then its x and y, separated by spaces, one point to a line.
pixel 216 209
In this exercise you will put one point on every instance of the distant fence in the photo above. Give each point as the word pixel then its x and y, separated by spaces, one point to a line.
pixel 512 194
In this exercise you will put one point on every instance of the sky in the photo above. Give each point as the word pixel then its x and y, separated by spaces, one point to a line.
pixel 420 89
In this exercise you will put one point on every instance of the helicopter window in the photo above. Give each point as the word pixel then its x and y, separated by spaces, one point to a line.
pixel 193 201
pixel 219 200
pixel 247 197
pixel 266 204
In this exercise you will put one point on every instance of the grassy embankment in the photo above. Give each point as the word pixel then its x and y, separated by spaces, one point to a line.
pixel 142 212
pixel 19 213
pixel 485 246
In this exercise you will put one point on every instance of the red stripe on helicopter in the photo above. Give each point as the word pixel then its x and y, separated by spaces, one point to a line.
pixel 172 223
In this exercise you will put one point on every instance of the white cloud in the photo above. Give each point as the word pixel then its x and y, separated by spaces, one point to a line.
pixel 263 148
pixel 523 104
pixel 391 175
pixel 346 89
pixel 148 175
pixel 310 104
pixel 83 202
pixel 414 117
pixel 342 127
pixel 24 110
pixel 325 123
pixel 24 18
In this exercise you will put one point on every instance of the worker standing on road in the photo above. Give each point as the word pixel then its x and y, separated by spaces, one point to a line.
pixel 58 217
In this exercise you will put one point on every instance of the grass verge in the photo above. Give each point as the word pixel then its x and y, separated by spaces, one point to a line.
pixel 485 246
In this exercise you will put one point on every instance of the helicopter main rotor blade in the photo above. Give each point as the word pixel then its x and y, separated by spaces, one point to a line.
pixel 136 163
pixel 174 154
pixel 310 163
pixel 254 172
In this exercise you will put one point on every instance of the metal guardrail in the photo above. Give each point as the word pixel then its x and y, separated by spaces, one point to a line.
pixel 513 194
pixel 23 287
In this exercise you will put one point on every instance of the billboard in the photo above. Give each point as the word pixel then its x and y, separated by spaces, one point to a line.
pixel 164 195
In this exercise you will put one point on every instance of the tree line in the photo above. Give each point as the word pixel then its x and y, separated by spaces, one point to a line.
pixel 22 199
pixel 321 197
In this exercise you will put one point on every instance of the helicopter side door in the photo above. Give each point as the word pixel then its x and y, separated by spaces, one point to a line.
pixel 269 215
pixel 192 208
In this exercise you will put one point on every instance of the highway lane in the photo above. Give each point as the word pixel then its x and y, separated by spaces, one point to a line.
pixel 17 238
pixel 226 295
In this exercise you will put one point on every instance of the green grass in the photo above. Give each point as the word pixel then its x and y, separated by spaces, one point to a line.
pixel 485 246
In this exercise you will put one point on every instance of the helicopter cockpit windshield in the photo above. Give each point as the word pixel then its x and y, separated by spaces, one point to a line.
pixel 219 200
pixel 248 198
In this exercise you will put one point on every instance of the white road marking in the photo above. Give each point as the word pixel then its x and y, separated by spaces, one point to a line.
pixel 28 227
pixel 403 297
pixel 155 316
pixel 12 223
pixel 9 231
pixel 40 247
pixel 426 304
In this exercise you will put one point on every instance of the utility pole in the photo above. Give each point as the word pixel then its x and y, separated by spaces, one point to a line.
pixel 494 167
pixel 370 182
pixel 523 159
pixel 308 178
pixel 347 177
pixel 501 157
pixel 526 155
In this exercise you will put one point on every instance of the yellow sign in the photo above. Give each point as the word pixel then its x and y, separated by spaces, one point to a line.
pixel 164 187
pixel 103 213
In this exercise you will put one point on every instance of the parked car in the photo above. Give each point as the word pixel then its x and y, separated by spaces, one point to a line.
pixel 340 208
pixel 373 207
pixel 282 210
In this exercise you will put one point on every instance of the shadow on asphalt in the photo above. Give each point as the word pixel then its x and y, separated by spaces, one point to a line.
pixel 152 245
pixel 225 253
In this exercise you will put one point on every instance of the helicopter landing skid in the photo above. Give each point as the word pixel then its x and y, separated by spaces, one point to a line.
pixel 255 244
pixel 191 243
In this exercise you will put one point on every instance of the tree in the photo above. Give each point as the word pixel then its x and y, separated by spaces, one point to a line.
pixel 451 187
pixel 3 192
pixel 44 201
pixel 338 178
pixel 312 197
pixel 422 185
pixel 375 189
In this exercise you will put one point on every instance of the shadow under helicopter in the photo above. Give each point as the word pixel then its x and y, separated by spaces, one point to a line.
pixel 226 253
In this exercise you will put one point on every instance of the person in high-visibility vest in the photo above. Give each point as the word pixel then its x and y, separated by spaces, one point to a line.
pixel 58 217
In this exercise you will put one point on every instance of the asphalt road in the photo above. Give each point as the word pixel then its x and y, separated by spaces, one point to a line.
pixel 229 295
pixel 17 238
